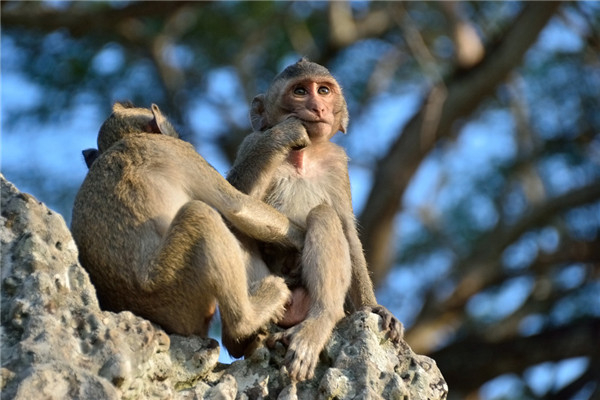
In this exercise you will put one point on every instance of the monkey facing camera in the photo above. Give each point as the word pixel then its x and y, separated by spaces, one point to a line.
pixel 152 223
pixel 290 163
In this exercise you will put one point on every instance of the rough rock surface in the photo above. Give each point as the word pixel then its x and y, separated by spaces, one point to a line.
pixel 58 344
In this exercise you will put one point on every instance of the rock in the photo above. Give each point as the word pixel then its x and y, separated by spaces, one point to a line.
pixel 58 344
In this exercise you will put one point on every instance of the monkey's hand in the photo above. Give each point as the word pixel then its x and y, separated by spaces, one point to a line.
pixel 290 134
pixel 389 322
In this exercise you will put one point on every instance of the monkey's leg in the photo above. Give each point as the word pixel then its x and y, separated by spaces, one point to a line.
pixel 326 272
pixel 201 261
pixel 257 271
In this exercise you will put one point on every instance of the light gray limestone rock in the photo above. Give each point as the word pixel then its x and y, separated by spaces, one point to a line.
pixel 56 342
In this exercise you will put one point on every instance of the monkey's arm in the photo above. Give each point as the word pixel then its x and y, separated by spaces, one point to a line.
pixel 361 287
pixel 181 167
pixel 257 160
pixel 362 292
pixel 261 153
pixel 251 216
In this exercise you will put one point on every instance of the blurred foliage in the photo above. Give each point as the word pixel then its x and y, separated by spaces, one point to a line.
pixel 474 145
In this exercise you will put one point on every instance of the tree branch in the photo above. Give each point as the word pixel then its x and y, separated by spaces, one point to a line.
pixel 482 268
pixel 345 29
pixel 469 363
pixel 463 93
pixel 82 19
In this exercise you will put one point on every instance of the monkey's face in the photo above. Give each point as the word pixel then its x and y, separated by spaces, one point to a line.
pixel 318 102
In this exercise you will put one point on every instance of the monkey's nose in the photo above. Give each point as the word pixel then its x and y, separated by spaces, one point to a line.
pixel 317 107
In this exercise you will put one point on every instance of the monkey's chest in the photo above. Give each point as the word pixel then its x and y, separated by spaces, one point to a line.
pixel 296 196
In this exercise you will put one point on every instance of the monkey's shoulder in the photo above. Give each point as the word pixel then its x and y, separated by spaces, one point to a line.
pixel 145 149
pixel 151 142
pixel 330 154
pixel 133 163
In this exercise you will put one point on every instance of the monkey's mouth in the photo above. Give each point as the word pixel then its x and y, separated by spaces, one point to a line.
pixel 314 121
pixel 316 127
pixel 309 118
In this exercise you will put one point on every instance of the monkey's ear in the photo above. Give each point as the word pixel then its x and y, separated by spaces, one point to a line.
pixel 117 107
pixel 160 124
pixel 345 118
pixel 257 113
pixel 344 123
pixel 90 155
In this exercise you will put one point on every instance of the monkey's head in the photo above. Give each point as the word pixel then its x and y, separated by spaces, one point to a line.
pixel 307 91
pixel 127 120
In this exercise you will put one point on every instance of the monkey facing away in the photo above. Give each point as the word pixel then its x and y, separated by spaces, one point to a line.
pixel 125 123
pixel 310 184
pixel 149 224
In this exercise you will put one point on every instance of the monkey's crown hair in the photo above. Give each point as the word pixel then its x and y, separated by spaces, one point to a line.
pixel 303 67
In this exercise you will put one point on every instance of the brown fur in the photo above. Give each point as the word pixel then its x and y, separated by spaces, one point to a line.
pixel 290 163
pixel 150 221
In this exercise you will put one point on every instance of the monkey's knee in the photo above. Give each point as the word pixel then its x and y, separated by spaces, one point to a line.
pixel 195 250
pixel 205 230
pixel 323 216
pixel 197 211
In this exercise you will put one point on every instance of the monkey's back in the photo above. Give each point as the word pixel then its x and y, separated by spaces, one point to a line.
pixel 123 210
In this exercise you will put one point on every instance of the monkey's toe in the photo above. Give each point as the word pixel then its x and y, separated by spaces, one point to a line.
pixel 301 361
pixel 389 323
pixel 280 337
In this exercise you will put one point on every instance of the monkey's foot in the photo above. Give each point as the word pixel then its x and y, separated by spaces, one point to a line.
pixel 389 322
pixel 268 299
pixel 305 341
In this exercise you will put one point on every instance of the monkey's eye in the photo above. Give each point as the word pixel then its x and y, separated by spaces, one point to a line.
pixel 324 90
pixel 300 91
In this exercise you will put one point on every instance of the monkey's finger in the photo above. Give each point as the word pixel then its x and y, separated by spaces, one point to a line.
pixel 271 342
pixel 379 311
pixel 291 362
pixel 280 337
pixel 294 365
pixel 396 331
pixel 292 117
pixel 307 369
pixel 299 146
pixel 301 359
pixel 289 359
pixel 389 322
pixel 302 368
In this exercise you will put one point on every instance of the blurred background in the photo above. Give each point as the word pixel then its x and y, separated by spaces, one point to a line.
pixel 474 145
